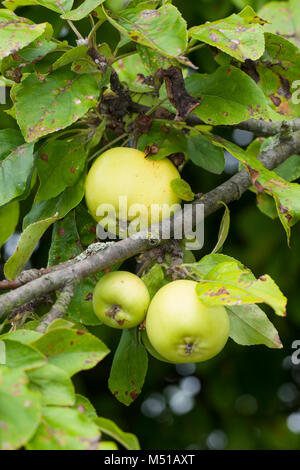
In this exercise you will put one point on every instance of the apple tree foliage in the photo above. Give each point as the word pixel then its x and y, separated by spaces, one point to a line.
pixel 70 102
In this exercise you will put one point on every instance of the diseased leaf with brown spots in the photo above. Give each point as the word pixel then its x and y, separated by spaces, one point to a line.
pixel 228 282
pixel 241 36
pixel 60 99
pixel 71 350
pixel 129 368
pixel 283 19
pixel 16 32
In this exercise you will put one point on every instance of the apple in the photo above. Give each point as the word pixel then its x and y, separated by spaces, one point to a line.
pixel 150 348
pixel 126 172
pixel 121 299
pixel 181 328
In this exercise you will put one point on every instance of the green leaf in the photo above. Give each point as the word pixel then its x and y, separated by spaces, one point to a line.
pixel 10 139
pixel 69 56
pixel 152 60
pixel 206 155
pixel 25 247
pixel 283 19
pixel 21 335
pixel 224 229
pixel 250 325
pixel 60 98
pixel 229 283
pixel 154 279
pixel 16 32
pixel 128 70
pixel 239 36
pixel 20 409
pixel 22 356
pixel 278 70
pixel 81 306
pixel 59 165
pixel 182 189
pixel 228 96
pixel 71 350
pixel 127 440
pixel 83 405
pixel 129 368
pixel 83 10
pixel 54 385
pixel 15 173
pixel 65 243
pixel 165 140
pixel 62 5
pixel 286 195
pixel 9 216
pixel 65 429
pixel 58 206
pixel 163 30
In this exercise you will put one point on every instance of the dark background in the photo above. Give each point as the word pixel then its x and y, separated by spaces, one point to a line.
pixel 247 397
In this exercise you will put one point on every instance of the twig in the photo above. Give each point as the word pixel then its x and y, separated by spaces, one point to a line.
pixel 59 308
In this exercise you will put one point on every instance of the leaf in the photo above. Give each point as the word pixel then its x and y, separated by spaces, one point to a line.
pixel 83 10
pixel 62 5
pixel 19 409
pixel 9 216
pixel 129 70
pixel 163 30
pixel 60 98
pixel 85 407
pixel 65 243
pixel 127 440
pixel 278 70
pixel 16 32
pixel 10 139
pixel 54 385
pixel 228 283
pixel 81 306
pixel 182 189
pixel 22 356
pixel 15 173
pixel 224 229
pixel 152 60
pixel 69 56
pixel 286 195
pixel 59 165
pixel 129 368
pixel 228 96
pixel 206 155
pixel 154 279
pixel 21 335
pixel 161 141
pixel 25 247
pixel 239 36
pixel 71 350
pixel 65 429
pixel 250 325
pixel 59 205
pixel 283 19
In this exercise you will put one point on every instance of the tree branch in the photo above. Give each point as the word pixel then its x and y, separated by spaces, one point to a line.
pixel 227 192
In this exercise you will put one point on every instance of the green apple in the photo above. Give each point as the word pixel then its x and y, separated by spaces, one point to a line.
pixel 126 172
pixel 121 299
pixel 181 328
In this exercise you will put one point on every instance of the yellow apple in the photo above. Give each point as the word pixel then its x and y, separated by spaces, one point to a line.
pixel 121 299
pixel 181 328
pixel 126 172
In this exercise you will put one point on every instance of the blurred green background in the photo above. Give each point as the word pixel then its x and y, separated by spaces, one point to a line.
pixel 247 397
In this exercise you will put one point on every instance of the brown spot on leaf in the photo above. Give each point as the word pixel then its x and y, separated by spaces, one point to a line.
pixel 44 157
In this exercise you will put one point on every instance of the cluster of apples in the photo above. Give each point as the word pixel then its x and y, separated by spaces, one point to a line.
pixel 179 327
